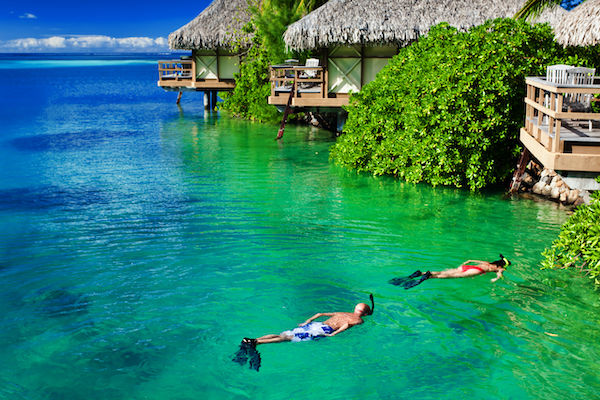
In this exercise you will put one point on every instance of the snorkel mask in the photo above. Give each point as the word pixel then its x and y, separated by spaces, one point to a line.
pixel 505 260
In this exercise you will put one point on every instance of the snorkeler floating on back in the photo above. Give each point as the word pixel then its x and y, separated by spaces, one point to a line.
pixel 466 269
pixel 308 330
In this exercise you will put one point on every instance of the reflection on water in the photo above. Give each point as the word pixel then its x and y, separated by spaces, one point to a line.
pixel 133 263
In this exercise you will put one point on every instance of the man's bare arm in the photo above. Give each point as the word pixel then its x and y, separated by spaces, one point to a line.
pixel 341 329
pixel 317 315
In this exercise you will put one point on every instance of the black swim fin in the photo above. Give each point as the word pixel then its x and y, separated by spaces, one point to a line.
pixel 405 280
pixel 398 281
pixel 254 359
pixel 241 356
pixel 246 350
pixel 412 284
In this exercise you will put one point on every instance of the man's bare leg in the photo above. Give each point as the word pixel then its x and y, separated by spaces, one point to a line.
pixel 273 339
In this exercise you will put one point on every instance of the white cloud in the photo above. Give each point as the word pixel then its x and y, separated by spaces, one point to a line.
pixel 27 15
pixel 74 44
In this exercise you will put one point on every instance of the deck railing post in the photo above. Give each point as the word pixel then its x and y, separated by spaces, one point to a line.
pixel 528 110
pixel 556 145
pixel 551 120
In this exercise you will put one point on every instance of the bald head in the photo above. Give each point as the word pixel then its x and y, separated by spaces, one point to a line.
pixel 362 309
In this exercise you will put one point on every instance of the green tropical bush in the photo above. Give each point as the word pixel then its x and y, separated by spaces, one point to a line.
pixel 577 244
pixel 447 109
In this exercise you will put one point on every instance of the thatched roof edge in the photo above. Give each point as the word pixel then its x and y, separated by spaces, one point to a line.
pixel 581 26
pixel 219 25
pixel 350 22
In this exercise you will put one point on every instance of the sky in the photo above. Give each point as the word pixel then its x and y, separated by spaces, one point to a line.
pixel 67 26
pixel 101 26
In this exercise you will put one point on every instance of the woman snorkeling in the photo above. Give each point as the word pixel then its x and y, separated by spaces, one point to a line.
pixel 467 269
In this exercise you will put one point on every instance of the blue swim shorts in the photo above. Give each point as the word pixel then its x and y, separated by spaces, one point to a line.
pixel 311 331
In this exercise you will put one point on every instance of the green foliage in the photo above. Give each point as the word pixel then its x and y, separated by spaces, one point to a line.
pixel 447 109
pixel 534 8
pixel 270 19
pixel 577 243
pixel 249 99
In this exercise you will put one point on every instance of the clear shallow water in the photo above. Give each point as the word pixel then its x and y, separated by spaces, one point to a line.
pixel 140 241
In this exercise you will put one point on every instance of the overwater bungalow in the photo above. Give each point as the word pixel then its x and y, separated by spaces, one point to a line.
pixel 352 40
pixel 210 37
pixel 561 131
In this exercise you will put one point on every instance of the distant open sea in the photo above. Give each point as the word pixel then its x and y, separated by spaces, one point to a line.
pixel 141 240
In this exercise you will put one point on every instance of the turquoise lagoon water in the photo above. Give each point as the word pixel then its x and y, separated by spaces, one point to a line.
pixel 141 240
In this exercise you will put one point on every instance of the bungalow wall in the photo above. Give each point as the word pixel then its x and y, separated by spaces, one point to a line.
pixel 351 67
pixel 215 64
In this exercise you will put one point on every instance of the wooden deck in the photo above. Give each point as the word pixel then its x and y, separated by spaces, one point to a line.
pixel 310 89
pixel 560 140
pixel 178 75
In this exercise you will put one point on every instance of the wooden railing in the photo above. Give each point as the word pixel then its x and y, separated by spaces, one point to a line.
pixel 561 138
pixel 175 70
pixel 308 80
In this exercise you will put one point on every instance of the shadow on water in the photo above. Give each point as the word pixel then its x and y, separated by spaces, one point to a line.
pixel 140 364
pixel 48 197
pixel 59 302
pixel 69 141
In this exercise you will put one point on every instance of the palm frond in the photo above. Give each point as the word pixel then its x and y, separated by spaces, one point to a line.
pixel 534 8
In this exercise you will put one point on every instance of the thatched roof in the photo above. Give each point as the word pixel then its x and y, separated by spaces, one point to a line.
pixel 347 22
pixel 581 27
pixel 217 26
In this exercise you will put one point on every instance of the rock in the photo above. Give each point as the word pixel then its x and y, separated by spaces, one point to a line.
pixel 546 190
pixel 562 189
pixel 554 193
pixel 527 179
pixel 552 173
pixel 563 197
pixel 544 173
pixel 586 197
pixel 554 181
pixel 573 196
pixel 537 188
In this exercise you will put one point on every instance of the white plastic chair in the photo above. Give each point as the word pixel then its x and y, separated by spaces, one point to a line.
pixel 579 102
pixel 557 73
pixel 310 73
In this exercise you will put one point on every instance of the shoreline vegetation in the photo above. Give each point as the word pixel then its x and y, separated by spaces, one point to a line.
pixel 577 243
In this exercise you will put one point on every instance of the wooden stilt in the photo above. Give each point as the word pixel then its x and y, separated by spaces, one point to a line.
pixel 286 112
pixel 179 97
pixel 518 175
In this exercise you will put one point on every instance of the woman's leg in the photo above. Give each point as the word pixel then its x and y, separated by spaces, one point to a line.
pixel 448 273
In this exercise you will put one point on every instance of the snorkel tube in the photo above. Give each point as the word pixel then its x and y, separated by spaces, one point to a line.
pixel 502 262
pixel 372 304
pixel 506 262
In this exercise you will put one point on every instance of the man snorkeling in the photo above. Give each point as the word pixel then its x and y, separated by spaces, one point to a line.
pixel 308 330
pixel 467 269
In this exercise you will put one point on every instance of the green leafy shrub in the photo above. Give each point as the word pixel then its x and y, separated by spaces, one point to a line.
pixel 577 244
pixel 447 109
